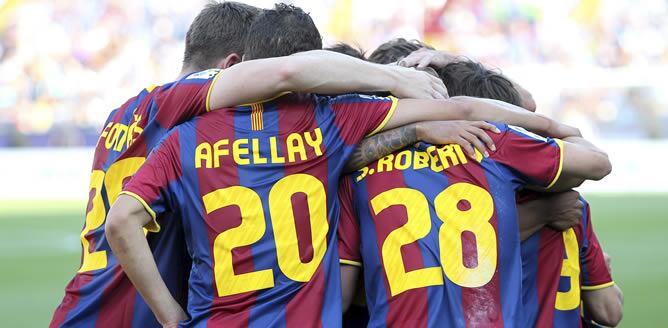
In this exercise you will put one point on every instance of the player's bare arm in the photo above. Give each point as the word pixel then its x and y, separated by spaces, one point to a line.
pixel 124 231
pixel 582 161
pixel 559 211
pixel 318 71
pixel 467 134
pixel 476 109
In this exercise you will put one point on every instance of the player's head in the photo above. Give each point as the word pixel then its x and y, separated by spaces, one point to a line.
pixel 346 49
pixel 281 31
pixel 396 49
pixel 468 78
pixel 216 38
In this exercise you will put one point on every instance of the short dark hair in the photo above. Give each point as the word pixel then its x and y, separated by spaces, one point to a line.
pixel 346 49
pixel 469 78
pixel 281 31
pixel 396 49
pixel 218 30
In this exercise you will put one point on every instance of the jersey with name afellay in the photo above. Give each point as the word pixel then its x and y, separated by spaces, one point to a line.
pixel 256 190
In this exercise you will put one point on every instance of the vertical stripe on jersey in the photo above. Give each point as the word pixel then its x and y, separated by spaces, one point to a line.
pixel 550 260
pixel 412 301
pixel 443 301
pixel 482 306
pixel 304 309
pixel 530 249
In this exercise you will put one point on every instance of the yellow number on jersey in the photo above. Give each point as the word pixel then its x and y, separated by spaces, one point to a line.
pixel 417 226
pixel 455 222
pixel 253 227
pixel 250 230
pixel 570 268
pixel 113 183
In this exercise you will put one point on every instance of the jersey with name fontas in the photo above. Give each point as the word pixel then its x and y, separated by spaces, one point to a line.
pixel 100 294
pixel 557 267
pixel 439 235
pixel 256 190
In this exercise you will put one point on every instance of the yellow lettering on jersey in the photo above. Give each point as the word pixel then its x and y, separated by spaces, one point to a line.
pixel 251 151
pixel 434 163
pixel 218 152
pixel 385 163
pixel 295 145
pixel 421 160
pixel 315 142
pixel 403 160
pixel 237 151
pixel 257 158
pixel 275 158
pixel 203 153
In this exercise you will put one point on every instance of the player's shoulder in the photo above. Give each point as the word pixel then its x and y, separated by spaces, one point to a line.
pixel 201 76
pixel 522 132
pixel 355 97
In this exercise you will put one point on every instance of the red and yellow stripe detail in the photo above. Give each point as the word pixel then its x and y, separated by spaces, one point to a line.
pixel 257 121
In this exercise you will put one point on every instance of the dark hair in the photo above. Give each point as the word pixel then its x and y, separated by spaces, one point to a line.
pixel 281 31
pixel 396 49
pixel 346 49
pixel 468 78
pixel 218 30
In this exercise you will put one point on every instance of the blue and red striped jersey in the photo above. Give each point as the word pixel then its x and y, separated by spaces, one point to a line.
pixel 256 191
pixel 439 239
pixel 557 266
pixel 100 295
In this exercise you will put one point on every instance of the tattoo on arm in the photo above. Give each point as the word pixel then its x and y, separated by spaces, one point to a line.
pixel 382 144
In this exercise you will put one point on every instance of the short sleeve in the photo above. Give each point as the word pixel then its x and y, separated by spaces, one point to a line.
pixel 348 230
pixel 594 270
pixel 536 160
pixel 358 116
pixel 151 184
pixel 185 98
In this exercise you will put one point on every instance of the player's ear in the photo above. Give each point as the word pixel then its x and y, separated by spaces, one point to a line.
pixel 230 60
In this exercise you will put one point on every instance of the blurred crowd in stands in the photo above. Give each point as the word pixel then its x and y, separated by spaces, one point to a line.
pixel 64 65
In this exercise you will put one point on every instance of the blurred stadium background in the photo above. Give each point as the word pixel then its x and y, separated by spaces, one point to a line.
pixel 601 65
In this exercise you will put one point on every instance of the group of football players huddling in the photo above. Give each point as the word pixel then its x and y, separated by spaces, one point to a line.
pixel 253 190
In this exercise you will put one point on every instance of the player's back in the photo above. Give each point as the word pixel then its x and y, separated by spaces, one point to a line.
pixel 440 245
pixel 557 266
pixel 100 294
pixel 256 189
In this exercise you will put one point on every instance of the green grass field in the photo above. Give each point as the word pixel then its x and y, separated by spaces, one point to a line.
pixel 39 252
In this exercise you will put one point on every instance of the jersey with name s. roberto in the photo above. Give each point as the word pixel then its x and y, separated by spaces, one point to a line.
pixel 100 294
pixel 256 189
pixel 436 231
pixel 557 267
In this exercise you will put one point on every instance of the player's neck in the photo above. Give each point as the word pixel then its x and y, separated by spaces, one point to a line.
pixel 189 69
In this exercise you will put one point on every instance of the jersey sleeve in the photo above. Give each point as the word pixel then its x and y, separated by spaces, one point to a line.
pixel 185 98
pixel 348 230
pixel 358 116
pixel 536 160
pixel 595 274
pixel 152 184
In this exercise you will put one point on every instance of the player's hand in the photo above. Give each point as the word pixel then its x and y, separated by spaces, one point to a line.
pixel 563 210
pixel 411 83
pixel 467 134
pixel 427 57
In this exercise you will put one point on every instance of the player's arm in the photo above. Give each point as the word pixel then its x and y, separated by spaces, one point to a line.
pixel 476 109
pixel 559 210
pixel 464 133
pixel 581 161
pixel 604 306
pixel 318 71
pixel 429 57
pixel 124 231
